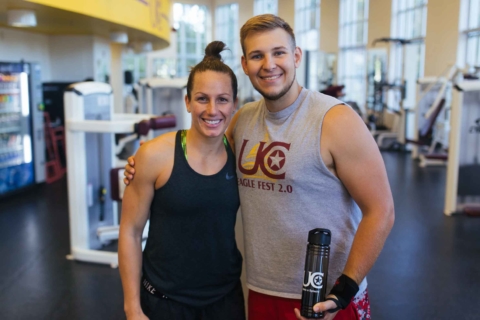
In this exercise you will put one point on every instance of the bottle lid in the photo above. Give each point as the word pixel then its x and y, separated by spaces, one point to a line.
pixel 319 236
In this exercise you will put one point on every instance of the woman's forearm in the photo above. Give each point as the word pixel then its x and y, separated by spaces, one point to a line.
pixel 130 264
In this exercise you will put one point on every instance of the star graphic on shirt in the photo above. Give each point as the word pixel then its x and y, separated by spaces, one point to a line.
pixel 276 158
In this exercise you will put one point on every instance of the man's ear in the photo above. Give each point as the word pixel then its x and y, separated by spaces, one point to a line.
pixel 244 65
pixel 297 53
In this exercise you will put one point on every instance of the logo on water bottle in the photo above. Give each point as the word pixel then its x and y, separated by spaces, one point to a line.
pixel 315 279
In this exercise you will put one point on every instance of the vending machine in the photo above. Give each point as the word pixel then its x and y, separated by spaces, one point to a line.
pixel 22 143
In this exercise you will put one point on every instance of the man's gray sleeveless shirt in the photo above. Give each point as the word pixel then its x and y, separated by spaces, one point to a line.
pixel 286 190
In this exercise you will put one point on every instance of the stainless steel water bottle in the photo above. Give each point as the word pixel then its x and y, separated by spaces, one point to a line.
pixel 316 272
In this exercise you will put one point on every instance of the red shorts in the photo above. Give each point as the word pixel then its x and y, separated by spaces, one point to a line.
pixel 265 307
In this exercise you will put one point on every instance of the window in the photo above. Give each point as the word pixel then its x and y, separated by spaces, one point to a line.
pixel 163 68
pixel 353 53
pixel 265 6
pixel 409 19
pixel 307 24
pixel 307 36
pixel 136 63
pixel 226 30
pixel 192 29
pixel 409 22
pixel 469 53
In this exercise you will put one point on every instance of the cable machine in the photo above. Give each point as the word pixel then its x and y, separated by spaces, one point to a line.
pixel 90 149
pixel 463 170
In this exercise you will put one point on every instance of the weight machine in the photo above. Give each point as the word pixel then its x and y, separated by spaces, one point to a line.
pixel 90 124
pixel 431 118
pixel 379 107
pixel 160 96
pixel 462 193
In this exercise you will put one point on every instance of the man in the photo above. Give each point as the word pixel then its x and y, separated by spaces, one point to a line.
pixel 304 161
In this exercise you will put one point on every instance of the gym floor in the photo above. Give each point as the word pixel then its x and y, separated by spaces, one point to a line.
pixel 429 267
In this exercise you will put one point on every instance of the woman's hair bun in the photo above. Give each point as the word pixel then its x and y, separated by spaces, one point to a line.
pixel 212 62
pixel 214 49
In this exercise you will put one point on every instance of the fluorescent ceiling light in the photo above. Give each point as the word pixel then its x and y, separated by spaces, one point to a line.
pixel 147 46
pixel 119 37
pixel 140 47
pixel 21 18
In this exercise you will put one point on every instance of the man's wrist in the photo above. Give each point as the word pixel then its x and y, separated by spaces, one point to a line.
pixel 345 289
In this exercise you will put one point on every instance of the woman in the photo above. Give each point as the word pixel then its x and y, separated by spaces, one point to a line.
pixel 186 185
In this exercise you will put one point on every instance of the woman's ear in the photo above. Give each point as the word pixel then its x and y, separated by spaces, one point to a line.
pixel 235 106
pixel 187 103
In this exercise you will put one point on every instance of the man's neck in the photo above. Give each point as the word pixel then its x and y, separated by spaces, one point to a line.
pixel 284 102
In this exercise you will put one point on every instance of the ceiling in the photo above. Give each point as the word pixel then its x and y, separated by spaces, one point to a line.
pixel 60 22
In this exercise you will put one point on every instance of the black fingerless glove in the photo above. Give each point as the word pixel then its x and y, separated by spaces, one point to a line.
pixel 345 290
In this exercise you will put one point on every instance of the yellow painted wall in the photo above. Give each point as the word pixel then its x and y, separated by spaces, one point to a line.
pixel 329 13
pixel 151 16
pixel 442 35
pixel 286 10
pixel 379 22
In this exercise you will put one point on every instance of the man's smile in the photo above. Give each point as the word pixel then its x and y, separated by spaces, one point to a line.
pixel 273 77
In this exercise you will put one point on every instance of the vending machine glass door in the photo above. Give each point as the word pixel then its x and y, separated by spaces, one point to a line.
pixel 16 159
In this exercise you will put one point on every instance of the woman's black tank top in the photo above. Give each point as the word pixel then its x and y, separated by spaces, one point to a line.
pixel 191 255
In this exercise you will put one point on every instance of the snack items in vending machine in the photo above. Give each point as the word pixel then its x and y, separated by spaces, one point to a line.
pixel 21 135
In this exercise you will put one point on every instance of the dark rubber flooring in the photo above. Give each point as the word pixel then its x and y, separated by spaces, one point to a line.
pixel 429 268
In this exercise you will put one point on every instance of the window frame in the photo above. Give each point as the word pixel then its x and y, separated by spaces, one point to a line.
pixel 468 34
pixel 230 23
pixel 262 7
pixel 399 29
pixel 200 39
pixel 351 45
pixel 307 32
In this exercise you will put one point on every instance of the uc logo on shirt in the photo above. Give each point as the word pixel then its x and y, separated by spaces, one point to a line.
pixel 270 159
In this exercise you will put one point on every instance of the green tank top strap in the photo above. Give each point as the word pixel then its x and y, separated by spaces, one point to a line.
pixel 184 142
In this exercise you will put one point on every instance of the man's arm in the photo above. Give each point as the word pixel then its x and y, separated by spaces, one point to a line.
pixel 135 211
pixel 129 172
pixel 359 165
pixel 349 151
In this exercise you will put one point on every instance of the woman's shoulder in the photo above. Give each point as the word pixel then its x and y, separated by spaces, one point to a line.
pixel 157 150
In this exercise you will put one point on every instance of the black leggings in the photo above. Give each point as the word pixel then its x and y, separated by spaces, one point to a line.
pixel 231 307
